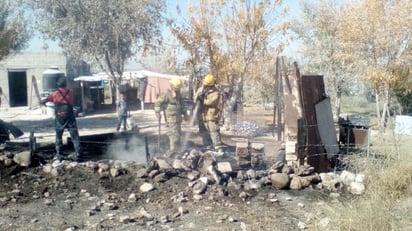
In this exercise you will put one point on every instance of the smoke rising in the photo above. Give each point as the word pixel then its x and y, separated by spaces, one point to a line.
pixel 127 149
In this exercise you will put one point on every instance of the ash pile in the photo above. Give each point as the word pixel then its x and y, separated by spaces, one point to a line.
pixel 247 129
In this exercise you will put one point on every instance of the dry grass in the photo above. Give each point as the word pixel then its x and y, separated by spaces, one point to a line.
pixel 387 201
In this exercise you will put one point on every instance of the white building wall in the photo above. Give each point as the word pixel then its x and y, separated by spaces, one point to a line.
pixel 34 64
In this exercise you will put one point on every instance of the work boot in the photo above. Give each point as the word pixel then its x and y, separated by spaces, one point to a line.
pixel 219 150
pixel 58 157
pixel 57 160
pixel 74 157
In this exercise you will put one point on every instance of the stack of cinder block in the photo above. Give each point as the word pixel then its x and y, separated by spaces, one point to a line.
pixel 257 154
pixel 242 154
pixel 249 154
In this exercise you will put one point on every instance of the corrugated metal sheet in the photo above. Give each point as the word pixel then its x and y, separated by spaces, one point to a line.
pixel 358 120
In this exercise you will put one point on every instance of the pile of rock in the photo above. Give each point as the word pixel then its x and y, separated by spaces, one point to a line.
pixel 23 159
pixel 204 168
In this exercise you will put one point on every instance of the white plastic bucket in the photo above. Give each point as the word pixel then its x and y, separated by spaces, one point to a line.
pixel 50 109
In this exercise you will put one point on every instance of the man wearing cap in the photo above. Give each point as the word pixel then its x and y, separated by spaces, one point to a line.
pixel 65 118
pixel 208 100
pixel 172 103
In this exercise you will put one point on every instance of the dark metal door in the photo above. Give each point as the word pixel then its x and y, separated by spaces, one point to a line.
pixel 17 88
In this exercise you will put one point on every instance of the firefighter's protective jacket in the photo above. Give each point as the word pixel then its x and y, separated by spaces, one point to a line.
pixel 210 105
pixel 173 104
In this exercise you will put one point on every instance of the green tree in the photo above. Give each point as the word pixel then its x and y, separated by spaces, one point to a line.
pixel 229 37
pixel 104 32
pixel 14 30
pixel 317 28
pixel 377 39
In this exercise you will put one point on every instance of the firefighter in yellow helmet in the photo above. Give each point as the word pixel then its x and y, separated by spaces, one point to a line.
pixel 208 100
pixel 172 103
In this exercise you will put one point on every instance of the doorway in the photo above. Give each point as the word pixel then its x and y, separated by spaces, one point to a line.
pixel 17 88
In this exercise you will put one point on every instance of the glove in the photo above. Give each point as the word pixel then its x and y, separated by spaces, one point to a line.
pixel 43 101
pixel 157 115
pixel 200 97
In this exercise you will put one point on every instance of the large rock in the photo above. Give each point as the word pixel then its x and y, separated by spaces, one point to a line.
pixel 146 187
pixel 199 186
pixel 224 167
pixel 280 180
pixel 23 158
pixel 299 182
pixel 251 174
pixel 204 162
pixel 304 170
pixel 115 172
pixel 8 162
pixel 331 181
pixel 356 188
pixel 162 163
pixel 103 167
pixel 276 167
pixel 347 177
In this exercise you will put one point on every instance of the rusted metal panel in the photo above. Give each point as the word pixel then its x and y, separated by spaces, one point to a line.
pixel 354 129
pixel 354 137
pixel 312 92
pixel 360 137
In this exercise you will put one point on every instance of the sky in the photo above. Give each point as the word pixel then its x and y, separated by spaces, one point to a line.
pixel 36 44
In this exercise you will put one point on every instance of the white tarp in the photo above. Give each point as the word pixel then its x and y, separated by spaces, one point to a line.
pixel 403 124
pixel 127 75
pixel 88 78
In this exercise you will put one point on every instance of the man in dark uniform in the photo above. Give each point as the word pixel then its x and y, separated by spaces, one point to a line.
pixel 65 118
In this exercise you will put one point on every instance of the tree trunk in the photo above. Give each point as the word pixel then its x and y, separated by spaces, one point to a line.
pixel 385 109
pixel 378 112
pixel 338 104
pixel 239 96
pixel 382 116
pixel 230 114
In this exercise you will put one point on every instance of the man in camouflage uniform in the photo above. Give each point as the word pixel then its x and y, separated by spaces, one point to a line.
pixel 208 100
pixel 171 102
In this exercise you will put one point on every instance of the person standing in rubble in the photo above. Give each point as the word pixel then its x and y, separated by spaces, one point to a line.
pixel 208 100
pixel 65 118
pixel 123 112
pixel 172 103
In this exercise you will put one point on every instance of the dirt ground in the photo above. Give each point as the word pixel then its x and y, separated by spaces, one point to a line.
pixel 79 196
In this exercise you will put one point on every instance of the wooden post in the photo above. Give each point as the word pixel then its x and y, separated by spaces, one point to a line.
pixel 147 149
pixel 277 104
pixel 301 141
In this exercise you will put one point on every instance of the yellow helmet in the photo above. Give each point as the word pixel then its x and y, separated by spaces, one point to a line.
pixel 176 83
pixel 209 80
